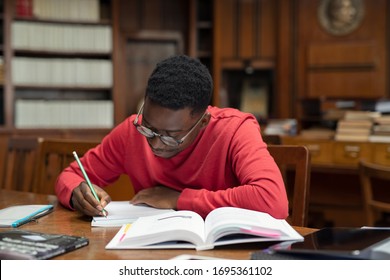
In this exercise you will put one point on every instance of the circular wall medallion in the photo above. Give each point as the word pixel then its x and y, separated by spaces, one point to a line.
pixel 340 17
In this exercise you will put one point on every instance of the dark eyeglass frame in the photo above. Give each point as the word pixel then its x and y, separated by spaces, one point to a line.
pixel 167 140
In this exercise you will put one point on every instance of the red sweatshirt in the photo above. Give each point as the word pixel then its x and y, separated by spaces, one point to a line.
pixel 228 164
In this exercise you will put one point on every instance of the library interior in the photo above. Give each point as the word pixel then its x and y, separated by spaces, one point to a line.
pixel 313 75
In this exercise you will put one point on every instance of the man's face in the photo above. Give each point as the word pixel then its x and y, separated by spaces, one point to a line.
pixel 173 123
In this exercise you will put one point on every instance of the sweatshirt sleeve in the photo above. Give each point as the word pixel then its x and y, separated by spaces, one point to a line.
pixel 103 164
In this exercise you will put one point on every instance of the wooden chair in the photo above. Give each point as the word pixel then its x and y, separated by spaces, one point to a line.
pixel 372 178
pixel 54 155
pixel 296 159
pixel 57 154
pixel 20 163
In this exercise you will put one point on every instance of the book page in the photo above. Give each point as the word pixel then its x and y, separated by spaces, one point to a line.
pixel 230 220
pixel 122 212
pixel 175 226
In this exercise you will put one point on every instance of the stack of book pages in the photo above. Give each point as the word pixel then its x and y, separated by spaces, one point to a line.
pixel 381 129
pixel 356 126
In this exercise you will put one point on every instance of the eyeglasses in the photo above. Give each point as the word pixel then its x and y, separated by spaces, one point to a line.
pixel 167 140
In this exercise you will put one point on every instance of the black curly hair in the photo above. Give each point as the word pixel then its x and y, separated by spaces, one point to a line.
pixel 180 82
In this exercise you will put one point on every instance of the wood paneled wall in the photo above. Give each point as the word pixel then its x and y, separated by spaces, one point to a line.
pixel 351 65
pixel 246 29
pixel 152 25
pixel 282 36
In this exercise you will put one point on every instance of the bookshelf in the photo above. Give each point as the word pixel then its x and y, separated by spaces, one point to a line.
pixel 57 56
pixel 245 36
pixel 201 23
pixel 1 62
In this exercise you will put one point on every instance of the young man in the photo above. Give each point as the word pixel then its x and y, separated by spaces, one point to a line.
pixel 181 153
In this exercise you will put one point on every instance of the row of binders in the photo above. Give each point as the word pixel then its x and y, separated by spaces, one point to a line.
pixel 62 37
pixel 80 10
pixel 62 72
pixel 64 113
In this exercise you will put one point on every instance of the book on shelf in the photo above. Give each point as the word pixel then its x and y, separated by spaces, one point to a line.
pixel 17 215
pixel 123 212
pixel 31 113
pixel 62 72
pixel 381 128
pixel 353 131
pixel 383 119
pixel 354 123
pixel 379 138
pixel 361 115
pixel 356 126
pixel 24 245
pixel 86 10
pixel 24 8
pixel 56 37
pixel 351 137
pixel 187 229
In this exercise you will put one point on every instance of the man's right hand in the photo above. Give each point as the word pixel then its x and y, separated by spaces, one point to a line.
pixel 84 201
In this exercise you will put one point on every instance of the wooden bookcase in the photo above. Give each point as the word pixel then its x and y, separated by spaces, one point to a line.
pixel 245 37
pixel 270 38
pixel 201 31
pixel 55 57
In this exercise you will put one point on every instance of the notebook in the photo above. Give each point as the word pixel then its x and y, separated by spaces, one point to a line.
pixel 123 212
pixel 24 245
pixel 15 216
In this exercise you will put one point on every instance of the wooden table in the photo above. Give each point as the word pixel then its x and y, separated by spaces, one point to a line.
pixel 64 221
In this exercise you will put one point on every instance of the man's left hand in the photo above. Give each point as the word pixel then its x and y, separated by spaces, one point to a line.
pixel 158 197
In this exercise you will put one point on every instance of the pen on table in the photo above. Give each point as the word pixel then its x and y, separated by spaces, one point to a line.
pixel 88 181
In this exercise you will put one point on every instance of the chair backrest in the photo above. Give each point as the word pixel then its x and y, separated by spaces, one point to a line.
pixel 296 159
pixel 373 203
pixel 20 163
pixel 56 154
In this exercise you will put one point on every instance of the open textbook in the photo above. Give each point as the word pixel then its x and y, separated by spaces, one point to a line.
pixel 123 212
pixel 187 229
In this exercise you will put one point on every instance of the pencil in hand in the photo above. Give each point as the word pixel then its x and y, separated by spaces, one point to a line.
pixel 88 181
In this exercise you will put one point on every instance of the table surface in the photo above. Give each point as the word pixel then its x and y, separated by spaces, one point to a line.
pixel 64 221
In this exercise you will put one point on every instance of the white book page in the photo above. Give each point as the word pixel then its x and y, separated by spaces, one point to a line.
pixel 230 220
pixel 122 212
pixel 176 226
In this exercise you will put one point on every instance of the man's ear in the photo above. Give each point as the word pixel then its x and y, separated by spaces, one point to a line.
pixel 206 120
